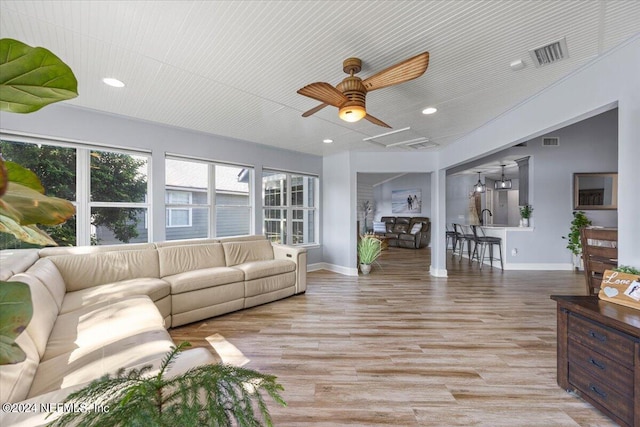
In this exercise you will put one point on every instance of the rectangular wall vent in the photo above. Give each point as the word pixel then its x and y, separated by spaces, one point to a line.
pixel 551 53
pixel 550 142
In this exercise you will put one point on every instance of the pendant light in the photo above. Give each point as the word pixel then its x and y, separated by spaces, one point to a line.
pixel 503 184
pixel 479 187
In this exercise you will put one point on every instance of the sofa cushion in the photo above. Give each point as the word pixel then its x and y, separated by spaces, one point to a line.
pixel 400 228
pixel 86 250
pixel 203 278
pixel 246 238
pixel 47 272
pixel 185 242
pixel 259 269
pixel 241 252
pixel 82 331
pixel 207 299
pixel 180 259
pixel 84 271
pixel 69 369
pixel 269 284
pixel 415 228
pixel 45 311
pixel 156 289
pixel 407 237
pixel 16 379
pixel 14 261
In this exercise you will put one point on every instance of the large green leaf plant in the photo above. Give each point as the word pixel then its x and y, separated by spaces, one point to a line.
pixel 30 78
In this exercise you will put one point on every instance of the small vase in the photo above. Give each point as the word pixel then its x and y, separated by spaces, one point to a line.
pixel 365 268
pixel 524 222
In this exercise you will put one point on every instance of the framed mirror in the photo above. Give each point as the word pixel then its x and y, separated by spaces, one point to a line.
pixel 594 191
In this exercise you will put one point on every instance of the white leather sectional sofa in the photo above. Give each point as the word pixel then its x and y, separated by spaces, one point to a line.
pixel 99 309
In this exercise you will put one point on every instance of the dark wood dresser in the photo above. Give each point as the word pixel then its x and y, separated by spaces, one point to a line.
pixel 599 355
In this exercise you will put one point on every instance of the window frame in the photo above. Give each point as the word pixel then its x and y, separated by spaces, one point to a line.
pixel 289 209
pixel 83 202
pixel 210 190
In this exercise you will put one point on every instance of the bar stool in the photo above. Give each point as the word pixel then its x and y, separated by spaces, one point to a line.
pixel 451 235
pixel 482 241
pixel 461 239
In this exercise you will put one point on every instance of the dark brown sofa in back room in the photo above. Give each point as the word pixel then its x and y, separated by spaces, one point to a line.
pixel 406 232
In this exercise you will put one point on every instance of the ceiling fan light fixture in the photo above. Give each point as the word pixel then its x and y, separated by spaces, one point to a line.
pixel 352 113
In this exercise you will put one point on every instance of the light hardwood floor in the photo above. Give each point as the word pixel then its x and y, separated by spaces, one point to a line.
pixel 402 348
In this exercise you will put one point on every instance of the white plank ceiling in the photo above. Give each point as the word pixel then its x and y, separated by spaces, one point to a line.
pixel 232 68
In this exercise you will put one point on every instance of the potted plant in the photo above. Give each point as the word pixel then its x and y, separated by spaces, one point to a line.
pixel 369 249
pixel 525 214
pixel 579 221
pixel 207 395
pixel 31 79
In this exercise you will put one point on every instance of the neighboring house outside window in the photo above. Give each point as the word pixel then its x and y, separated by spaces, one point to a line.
pixel 179 216
pixel 194 210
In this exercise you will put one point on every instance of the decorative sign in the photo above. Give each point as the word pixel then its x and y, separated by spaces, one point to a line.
pixel 621 288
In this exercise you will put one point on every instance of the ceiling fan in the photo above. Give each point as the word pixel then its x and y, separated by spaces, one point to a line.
pixel 350 94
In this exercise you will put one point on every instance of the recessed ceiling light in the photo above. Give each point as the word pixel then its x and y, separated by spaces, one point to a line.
pixel 113 82
pixel 327 141
pixel 516 65
pixel 429 110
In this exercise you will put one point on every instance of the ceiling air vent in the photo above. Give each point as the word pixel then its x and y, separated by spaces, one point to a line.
pixel 550 142
pixel 420 145
pixel 551 53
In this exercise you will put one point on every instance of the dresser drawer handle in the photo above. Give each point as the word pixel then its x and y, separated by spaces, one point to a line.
pixel 599 337
pixel 597 391
pixel 598 364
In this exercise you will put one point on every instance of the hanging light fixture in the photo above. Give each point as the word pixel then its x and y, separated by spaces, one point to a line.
pixel 503 184
pixel 479 187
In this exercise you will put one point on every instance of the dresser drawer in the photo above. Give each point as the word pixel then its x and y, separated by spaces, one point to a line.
pixel 602 393
pixel 614 345
pixel 601 368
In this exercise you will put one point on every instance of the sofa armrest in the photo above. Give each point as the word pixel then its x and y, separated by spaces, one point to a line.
pixel 297 255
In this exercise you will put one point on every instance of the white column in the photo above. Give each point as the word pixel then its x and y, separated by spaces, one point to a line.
pixel 438 224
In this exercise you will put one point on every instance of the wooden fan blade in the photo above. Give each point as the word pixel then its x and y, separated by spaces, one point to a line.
pixel 376 121
pixel 324 93
pixel 314 110
pixel 399 73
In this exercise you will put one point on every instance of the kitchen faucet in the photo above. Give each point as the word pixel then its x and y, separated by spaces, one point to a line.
pixel 482 222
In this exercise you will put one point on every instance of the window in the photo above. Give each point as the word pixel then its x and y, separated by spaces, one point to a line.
pixel 193 210
pixel 108 188
pixel 178 217
pixel 56 168
pixel 290 196
pixel 186 199
pixel 118 197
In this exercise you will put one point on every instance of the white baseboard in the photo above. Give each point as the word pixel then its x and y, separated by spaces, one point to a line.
pixel 437 272
pixel 346 271
pixel 539 266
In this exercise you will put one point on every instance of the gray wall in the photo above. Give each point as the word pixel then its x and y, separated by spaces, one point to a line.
pixel 586 146
pixel 408 181
pixel 458 189
pixel 76 124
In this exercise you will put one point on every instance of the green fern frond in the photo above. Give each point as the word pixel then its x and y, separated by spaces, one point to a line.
pixel 212 395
